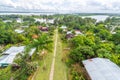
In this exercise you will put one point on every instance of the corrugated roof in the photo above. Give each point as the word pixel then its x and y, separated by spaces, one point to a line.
pixel 19 31
pixel 32 51
pixel 102 69
pixel 14 50
pixel 11 54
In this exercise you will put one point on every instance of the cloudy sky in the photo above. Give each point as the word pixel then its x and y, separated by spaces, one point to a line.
pixel 87 6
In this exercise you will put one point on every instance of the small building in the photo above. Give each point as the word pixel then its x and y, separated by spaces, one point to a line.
pixel 102 69
pixel 44 29
pixel 113 32
pixel 69 35
pixel 50 21
pixel 40 20
pixel 32 51
pixel 78 32
pixel 24 26
pixel 64 28
pixel 10 54
pixel 19 31
pixel 19 20
pixel 5 21
pixel 14 50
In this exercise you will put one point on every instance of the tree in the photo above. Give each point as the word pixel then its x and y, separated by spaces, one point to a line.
pixel 116 38
pixel 103 53
pixel 117 49
pixel 5 74
pixel 43 42
pixel 81 53
pixel 77 41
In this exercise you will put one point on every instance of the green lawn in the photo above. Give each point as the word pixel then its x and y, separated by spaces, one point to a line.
pixel 44 74
pixel 60 67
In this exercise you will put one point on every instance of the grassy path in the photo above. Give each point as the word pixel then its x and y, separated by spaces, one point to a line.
pixel 55 68
pixel 60 67
pixel 54 56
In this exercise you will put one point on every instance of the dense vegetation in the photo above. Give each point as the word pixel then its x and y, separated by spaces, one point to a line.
pixel 31 37
pixel 99 39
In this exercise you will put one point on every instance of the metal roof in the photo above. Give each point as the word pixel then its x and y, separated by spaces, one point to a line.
pixel 10 54
pixel 63 27
pixel 14 50
pixel 102 69
pixel 32 51
pixel 19 31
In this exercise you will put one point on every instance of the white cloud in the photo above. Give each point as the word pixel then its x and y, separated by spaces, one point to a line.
pixel 62 5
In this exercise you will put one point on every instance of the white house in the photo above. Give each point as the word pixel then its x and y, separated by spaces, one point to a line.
pixel 64 28
pixel 77 32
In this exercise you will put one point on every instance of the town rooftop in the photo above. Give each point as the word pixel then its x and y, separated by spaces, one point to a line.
pixel 102 69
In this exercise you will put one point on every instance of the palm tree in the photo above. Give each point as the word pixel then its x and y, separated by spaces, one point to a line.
pixel 41 44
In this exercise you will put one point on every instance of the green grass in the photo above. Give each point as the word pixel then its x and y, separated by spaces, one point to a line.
pixel 41 73
pixel 44 74
pixel 60 67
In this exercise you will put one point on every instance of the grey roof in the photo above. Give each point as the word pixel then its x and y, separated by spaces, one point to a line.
pixel 32 51
pixel 14 50
pixel 10 54
pixel 63 27
pixel 19 31
pixel 102 69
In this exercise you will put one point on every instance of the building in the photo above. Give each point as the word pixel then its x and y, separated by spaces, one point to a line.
pixel 102 69
pixel 78 32
pixel 24 26
pixel 50 21
pixel 69 35
pixel 19 31
pixel 5 21
pixel 64 28
pixel 44 29
pixel 10 54
pixel 19 20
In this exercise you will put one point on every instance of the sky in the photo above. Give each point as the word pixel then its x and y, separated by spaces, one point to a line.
pixel 81 6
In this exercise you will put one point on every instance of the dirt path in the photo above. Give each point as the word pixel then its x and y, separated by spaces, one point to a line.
pixel 53 61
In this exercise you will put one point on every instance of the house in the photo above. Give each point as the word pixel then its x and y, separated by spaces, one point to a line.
pixel 102 69
pixel 24 26
pixel 5 21
pixel 50 21
pixel 19 20
pixel 64 28
pixel 19 31
pixel 40 20
pixel 69 35
pixel 78 32
pixel 32 51
pixel 10 54
pixel 44 29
